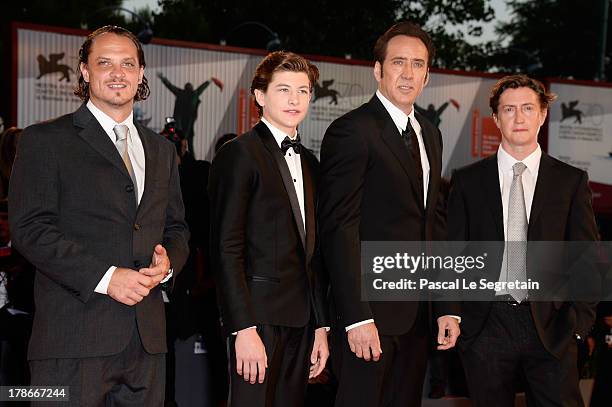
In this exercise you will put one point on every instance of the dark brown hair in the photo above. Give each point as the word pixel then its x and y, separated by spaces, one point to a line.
pixel 82 89
pixel 520 81
pixel 408 29
pixel 281 61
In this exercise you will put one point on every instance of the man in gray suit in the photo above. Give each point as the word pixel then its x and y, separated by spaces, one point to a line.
pixel 95 205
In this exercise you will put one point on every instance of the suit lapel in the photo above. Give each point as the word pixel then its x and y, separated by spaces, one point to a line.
pixel 543 188
pixel 268 140
pixel 309 205
pixel 433 155
pixel 490 183
pixel 96 137
pixel 151 151
pixel 392 139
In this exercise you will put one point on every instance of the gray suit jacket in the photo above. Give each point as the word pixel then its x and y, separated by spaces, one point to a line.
pixel 73 214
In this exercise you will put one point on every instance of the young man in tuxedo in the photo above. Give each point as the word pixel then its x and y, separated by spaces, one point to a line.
pixel 96 207
pixel 521 194
pixel 380 181
pixel 264 243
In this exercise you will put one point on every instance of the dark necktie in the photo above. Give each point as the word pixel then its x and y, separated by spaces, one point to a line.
pixel 122 133
pixel 288 143
pixel 412 143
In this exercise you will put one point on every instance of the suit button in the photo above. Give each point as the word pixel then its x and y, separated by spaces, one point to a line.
pixel 136 226
pixel 129 188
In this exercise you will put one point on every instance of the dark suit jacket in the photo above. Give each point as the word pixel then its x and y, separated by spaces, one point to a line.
pixel 73 214
pixel 267 270
pixel 369 192
pixel 561 211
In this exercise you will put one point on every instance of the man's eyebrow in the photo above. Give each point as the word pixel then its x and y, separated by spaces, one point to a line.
pixel 520 104
pixel 400 58
pixel 123 59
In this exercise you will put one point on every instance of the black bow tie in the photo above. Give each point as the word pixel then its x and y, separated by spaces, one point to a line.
pixel 288 143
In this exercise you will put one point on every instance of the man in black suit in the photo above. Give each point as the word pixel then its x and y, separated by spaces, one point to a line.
pixel 95 206
pixel 521 194
pixel 380 181
pixel 263 230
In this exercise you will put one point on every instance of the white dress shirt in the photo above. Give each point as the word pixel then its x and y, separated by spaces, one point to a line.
pixel 137 157
pixel 529 179
pixel 294 163
pixel 401 122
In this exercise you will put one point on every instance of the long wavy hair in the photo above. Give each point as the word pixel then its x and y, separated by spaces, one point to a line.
pixel 82 89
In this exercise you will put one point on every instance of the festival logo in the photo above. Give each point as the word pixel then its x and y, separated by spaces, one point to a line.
pixel 324 91
pixel 589 114
pixel 52 65
pixel 569 110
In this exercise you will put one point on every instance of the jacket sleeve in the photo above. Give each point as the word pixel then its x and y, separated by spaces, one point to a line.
pixel 453 224
pixel 320 290
pixel 230 188
pixel 34 216
pixel 344 160
pixel 582 227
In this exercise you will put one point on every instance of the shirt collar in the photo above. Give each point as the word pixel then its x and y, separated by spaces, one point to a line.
pixel 397 115
pixel 505 161
pixel 279 135
pixel 108 123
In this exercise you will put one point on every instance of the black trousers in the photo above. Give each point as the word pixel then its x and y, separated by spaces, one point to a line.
pixel 288 351
pixel 130 378
pixel 508 346
pixel 603 378
pixel 396 380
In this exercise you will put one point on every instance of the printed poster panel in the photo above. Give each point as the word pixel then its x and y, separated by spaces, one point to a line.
pixel 208 94
pixel 580 134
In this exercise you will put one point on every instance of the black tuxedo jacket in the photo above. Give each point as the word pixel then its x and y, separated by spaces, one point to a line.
pixel 267 269
pixel 561 211
pixel 369 192
pixel 73 214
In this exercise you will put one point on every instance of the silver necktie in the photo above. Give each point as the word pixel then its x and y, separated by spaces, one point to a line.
pixel 122 133
pixel 516 238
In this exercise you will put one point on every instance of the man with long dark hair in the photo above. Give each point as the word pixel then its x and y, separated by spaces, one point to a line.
pixel 96 207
